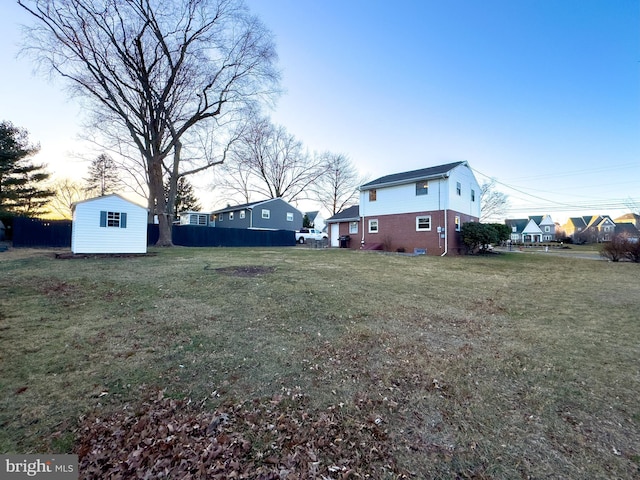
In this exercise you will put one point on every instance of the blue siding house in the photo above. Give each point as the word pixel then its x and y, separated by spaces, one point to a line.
pixel 270 214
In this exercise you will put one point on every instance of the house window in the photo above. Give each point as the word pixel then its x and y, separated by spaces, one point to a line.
pixel 514 229
pixel 230 215
pixel 242 214
pixel 423 224
pixel 458 188
pixel 457 224
pixel 547 229
pixel 113 219
pixel 197 219
pixel 221 217
pixel 289 216
pixel 372 195
pixel 266 214
pixel 353 227
pixel 473 195
pixel 422 188
pixel 373 226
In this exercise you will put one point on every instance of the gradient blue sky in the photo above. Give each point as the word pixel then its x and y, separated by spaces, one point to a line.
pixel 543 96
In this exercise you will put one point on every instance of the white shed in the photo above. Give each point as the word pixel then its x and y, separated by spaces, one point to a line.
pixel 109 224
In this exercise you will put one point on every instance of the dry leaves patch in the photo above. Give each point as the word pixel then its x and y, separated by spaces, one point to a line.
pixel 277 438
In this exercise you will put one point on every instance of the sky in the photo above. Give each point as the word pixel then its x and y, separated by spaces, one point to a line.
pixel 542 96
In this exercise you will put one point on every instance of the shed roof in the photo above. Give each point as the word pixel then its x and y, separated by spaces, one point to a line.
pixel 104 197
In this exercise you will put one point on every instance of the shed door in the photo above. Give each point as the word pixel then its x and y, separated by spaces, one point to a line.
pixel 335 235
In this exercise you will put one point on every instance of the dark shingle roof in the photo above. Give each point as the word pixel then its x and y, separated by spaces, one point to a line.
pixel 351 213
pixel 413 175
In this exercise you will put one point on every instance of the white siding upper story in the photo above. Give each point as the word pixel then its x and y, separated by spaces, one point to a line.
pixel 109 224
pixel 459 192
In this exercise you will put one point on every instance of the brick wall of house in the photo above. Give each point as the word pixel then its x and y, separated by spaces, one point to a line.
pixel 399 232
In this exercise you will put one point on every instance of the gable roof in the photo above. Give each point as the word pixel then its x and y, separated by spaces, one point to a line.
pixel 252 205
pixel 532 227
pixel 104 197
pixel 348 214
pixel 412 176
pixel 518 223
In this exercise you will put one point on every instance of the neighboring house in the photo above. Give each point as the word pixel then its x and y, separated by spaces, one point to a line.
pixel 533 229
pixel 628 231
pixel 109 224
pixel 316 220
pixel 420 210
pixel 345 224
pixel 590 228
pixel 271 214
pixel 202 219
pixel 632 218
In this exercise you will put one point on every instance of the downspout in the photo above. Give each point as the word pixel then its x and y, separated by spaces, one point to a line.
pixel 446 225
pixel 362 219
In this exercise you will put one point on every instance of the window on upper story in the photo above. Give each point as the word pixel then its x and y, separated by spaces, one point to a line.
pixel 547 228
pixel 422 188
pixel 423 223
pixel 266 214
pixel 458 188
pixel 372 195
pixel 514 229
pixel 289 216
pixel 373 226
pixel 473 195
pixel 353 227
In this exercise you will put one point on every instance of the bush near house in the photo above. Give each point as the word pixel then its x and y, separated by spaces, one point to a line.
pixel 621 247
pixel 478 236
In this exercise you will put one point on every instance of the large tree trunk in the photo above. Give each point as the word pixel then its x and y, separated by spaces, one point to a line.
pixel 156 191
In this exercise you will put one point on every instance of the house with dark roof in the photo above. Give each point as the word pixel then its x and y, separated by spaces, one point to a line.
pixel 419 210
pixel 270 214
pixel 590 228
pixel 344 224
pixel 533 229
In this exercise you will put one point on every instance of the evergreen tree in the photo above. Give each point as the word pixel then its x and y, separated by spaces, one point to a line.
pixel 103 176
pixel 21 190
pixel 186 199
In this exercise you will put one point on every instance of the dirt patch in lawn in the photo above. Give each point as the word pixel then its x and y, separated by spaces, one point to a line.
pixel 243 271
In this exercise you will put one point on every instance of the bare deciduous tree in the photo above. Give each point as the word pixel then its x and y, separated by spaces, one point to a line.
pixel 493 204
pixel 337 188
pixel 269 162
pixel 66 193
pixel 157 73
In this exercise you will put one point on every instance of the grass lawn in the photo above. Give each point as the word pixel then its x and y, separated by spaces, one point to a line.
pixel 505 366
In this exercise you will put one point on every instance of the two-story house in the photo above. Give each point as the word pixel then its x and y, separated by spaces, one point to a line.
pixel 590 228
pixel 533 229
pixel 419 210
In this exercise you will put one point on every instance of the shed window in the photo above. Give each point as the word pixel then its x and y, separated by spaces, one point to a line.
pixel 266 213
pixel 113 219
pixel 422 188
pixel 423 224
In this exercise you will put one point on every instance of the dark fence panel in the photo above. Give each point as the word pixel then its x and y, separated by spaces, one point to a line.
pixel 197 236
pixel 34 232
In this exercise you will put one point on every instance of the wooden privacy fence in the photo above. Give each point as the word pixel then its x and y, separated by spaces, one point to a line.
pixel 32 232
